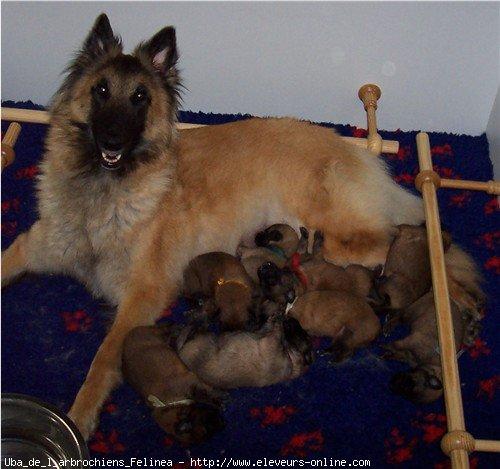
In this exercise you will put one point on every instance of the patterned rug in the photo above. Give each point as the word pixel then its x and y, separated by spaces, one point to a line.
pixel 52 327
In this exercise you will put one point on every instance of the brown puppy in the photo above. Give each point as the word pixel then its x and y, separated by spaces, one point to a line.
pixel 407 271
pixel 181 404
pixel 280 351
pixel 223 279
pixel 274 244
pixel 343 316
pixel 284 285
pixel 420 349
pixel 126 201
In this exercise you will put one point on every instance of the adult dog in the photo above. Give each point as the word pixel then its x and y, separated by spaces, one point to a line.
pixel 125 201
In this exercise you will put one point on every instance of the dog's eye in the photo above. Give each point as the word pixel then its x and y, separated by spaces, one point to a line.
pixel 139 96
pixel 101 90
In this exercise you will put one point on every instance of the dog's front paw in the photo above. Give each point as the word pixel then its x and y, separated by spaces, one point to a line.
pixel 85 420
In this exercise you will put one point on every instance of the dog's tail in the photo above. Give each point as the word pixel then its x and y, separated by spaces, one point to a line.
pixel 408 208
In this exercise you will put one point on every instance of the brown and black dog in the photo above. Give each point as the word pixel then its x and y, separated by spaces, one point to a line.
pixel 126 201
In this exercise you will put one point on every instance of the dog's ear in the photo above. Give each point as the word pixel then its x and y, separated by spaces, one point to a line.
pixel 101 39
pixel 161 51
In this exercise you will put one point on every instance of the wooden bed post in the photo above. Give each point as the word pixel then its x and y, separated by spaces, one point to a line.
pixel 370 94
pixel 457 443
pixel 42 117
pixel 8 142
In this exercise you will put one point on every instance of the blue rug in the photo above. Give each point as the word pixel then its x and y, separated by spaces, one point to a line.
pixel 52 327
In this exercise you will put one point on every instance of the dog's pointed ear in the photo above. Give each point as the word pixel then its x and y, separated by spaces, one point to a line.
pixel 101 38
pixel 161 51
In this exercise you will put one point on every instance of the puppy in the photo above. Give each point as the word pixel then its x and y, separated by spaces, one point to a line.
pixel 284 285
pixel 275 244
pixel 221 280
pixel 420 349
pixel 279 352
pixel 407 271
pixel 181 404
pixel 341 315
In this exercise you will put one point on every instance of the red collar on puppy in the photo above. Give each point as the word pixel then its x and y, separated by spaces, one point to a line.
pixel 295 266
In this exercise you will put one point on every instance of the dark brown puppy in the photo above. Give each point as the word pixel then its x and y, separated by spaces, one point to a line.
pixel 420 349
pixel 181 404
pixel 222 280
pixel 407 271
pixel 343 316
pixel 280 351
pixel 275 244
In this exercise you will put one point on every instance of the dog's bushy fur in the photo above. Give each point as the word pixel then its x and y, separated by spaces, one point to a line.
pixel 127 225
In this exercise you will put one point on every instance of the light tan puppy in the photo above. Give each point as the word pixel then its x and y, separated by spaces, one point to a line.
pixel 125 201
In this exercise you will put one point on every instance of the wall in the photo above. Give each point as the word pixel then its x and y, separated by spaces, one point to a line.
pixel 493 134
pixel 437 63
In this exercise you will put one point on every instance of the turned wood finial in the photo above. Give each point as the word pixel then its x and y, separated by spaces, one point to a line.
pixel 369 94
pixel 457 439
pixel 427 175
pixel 8 143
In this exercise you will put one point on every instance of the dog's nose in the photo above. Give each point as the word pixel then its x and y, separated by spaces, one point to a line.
pixel 111 142
pixel 268 273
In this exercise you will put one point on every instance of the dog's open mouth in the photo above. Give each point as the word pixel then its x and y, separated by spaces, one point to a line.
pixel 111 159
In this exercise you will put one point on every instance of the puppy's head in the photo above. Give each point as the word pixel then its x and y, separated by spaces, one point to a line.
pixel 278 285
pixel 419 385
pixel 280 236
pixel 192 424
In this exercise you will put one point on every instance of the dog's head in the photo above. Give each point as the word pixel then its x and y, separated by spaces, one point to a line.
pixel 278 285
pixel 120 108
pixel 278 236
pixel 192 424
pixel 419 385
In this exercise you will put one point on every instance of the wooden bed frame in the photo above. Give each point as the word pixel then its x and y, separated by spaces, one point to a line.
pixel 457 443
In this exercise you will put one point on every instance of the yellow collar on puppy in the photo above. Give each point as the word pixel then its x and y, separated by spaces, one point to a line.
pixel 223 281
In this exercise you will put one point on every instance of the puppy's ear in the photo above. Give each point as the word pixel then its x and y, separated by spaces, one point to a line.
pixel 101 39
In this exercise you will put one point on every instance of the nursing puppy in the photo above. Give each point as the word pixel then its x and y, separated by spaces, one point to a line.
pixel 126 201
pixel 228 291
pixel 181 403
pixel 280 351
pixel 420 349
pixel 274 244
pixel 284 285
